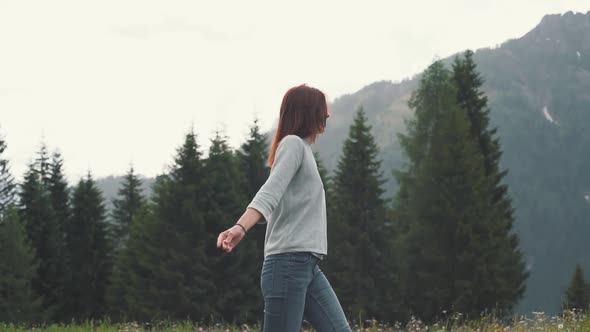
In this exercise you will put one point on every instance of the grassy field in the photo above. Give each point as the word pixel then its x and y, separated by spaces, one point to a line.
pixel 538 322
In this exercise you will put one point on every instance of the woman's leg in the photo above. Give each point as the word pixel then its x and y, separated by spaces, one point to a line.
pixel 284 282
pixel 322 308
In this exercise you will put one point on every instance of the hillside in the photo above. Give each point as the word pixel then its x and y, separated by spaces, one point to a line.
pixel 539 91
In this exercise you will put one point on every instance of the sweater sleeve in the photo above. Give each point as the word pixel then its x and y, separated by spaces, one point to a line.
pixel 288 159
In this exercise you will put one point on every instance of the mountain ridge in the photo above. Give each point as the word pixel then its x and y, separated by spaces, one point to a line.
pixel 538 87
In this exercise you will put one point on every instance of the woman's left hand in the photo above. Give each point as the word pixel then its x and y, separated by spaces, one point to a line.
pixel 230 238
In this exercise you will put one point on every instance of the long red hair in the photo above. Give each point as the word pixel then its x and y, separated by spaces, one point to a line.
pixel 304 111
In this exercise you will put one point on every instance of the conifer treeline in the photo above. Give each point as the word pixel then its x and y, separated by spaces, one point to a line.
pixel 445 243
pixel 63 258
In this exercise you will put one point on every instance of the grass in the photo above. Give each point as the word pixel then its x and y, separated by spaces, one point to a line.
pixel 570 321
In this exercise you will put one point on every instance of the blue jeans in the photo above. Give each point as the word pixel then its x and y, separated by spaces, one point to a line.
pixel 294 287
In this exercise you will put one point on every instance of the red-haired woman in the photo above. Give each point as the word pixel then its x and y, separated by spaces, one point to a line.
pixel 292 202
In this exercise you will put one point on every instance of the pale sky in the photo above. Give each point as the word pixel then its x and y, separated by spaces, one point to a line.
pixel 115 83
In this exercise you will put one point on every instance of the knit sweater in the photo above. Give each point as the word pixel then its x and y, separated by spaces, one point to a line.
pixel 293 202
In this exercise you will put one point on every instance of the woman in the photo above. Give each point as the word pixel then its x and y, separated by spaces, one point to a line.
pixel 292 202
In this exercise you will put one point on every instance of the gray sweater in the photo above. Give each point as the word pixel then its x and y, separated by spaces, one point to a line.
pixel 293 202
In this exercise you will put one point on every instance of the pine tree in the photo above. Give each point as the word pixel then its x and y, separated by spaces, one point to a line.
pixel 427 287
pixel 459 254
pixel 89 251
pixel 357 225
pixel 236 296
pixel 7 184
pixel 126 207
pixel 168 275
pixel 59 191
pixel 18 302
pixel 252 159
pixel 473 102
pixel 577 296
pixel 46 236
pixel 60 202
pixel 129 267
pixel 43 164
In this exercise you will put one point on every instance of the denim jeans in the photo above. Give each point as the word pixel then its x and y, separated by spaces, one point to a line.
pixel 294 288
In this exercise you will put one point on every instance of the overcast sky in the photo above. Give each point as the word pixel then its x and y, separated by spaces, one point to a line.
pixel 115 83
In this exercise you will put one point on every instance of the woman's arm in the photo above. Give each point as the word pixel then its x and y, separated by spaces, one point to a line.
pixel 287 161
pixel 250 218
pixel 229 239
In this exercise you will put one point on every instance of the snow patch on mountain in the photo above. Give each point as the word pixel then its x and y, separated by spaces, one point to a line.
pixel 547 115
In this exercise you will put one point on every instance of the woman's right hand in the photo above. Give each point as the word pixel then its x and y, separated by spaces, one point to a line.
pixel 229 239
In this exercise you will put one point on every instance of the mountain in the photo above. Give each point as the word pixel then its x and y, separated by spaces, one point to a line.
pixel 539 94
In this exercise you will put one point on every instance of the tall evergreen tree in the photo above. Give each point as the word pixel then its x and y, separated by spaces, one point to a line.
pixel 43 164
pixel 89 251
pixel 60 202
pixel 7 184
pixel 130 267
pixel 252 157
pixel 459 253
pixel 236 295
pixel 59 191
pixel 18 301
pixel 125 207
pixel 46 236
pixel 577 296
pixel 474 103
pixel 357 225
pixel 168 272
